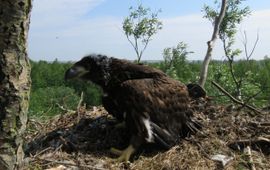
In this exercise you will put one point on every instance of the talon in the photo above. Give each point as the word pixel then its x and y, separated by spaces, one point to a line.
pixel 125 154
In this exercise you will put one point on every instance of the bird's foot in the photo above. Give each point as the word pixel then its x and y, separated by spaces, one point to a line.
pixel 115 151
pixel 124 155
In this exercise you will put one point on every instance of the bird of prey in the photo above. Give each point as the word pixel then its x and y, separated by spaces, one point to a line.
pixel 154 107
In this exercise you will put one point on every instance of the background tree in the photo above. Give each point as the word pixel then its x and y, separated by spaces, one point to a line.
pixel 216 19
pixel 14 80
pixel 139 28
pixel 175 62
pixel 234 15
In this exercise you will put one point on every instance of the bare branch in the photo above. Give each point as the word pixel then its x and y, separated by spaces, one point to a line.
pixel 251 164
pixel 245 43
pixel 78 108
pixel 234 99
pixel 145 45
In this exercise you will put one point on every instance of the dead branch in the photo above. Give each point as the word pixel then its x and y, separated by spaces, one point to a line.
pixel 70 164
pixel 261 144
pixel 234 99
pixel 41 152
pixel 250 159
pixel 64 109
pixel 80 102
pixel 256 141
pixel 37 124
pixel 245 42
pixel 72 111
pixel 260 124
pixel 78 107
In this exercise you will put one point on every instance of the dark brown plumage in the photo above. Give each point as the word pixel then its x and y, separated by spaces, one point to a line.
pixel 154 107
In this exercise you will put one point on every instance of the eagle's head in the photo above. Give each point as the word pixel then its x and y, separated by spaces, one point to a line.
pixel 93 67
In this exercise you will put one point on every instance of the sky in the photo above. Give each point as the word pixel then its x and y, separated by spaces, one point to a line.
pixel 67 30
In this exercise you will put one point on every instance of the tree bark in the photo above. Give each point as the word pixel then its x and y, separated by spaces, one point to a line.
pixel 14 80
pixel 210 44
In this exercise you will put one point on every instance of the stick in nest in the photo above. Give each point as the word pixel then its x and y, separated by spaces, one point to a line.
pixel 234 99
pixel 250 159
pixel 71 164
pixel 78 107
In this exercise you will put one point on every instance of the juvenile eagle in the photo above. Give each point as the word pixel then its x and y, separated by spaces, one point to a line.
pixel 154 107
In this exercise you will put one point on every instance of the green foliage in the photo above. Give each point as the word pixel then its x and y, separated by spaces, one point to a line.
pixel 175 63
pixel 254 88
pixel 50 89
pixel 241 76
pixel 263 79
pixel 139 28
pixel 45 101
pixel 234 15
pixel 46 74
pixel 92 93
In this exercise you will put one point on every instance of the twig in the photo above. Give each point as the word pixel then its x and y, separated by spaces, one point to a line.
pixel 35 122
pixel 261 144
pixel 78 108
pixel 245 42
pixel 260 124
pixel 41 152
pixel 234 99
pixel 71 164
pixel 80 102
pixel 57 149
pixel 250 159
pixel 251 97
pixel 64 109
pixel 254 141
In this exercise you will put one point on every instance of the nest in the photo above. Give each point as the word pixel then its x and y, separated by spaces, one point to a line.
pixel 82 140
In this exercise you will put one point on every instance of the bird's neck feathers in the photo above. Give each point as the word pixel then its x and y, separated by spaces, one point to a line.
pixel 102 64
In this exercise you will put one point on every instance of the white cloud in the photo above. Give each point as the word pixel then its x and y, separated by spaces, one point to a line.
pixel 60 31
pixel 192 29
pixel 196 31
pixel 101 35
pixel 60 12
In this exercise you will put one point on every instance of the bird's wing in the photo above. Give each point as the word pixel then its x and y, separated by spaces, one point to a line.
pixel 122 70
pixel 158 108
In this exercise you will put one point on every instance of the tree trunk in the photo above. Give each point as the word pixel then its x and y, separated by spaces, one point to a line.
pixel 204 69
pixel 14 80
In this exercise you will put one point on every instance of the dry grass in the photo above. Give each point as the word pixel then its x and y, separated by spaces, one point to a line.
pixel 84 143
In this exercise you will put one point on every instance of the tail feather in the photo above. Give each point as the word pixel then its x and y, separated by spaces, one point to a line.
pixel 192 126
pixel 162 137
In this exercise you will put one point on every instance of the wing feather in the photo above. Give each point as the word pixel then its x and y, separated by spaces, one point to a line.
pixel 164 102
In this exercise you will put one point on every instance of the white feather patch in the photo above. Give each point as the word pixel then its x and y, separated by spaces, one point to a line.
pixel 149 130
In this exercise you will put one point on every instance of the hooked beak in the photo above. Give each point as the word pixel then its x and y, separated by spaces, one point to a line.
pixel 75 72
